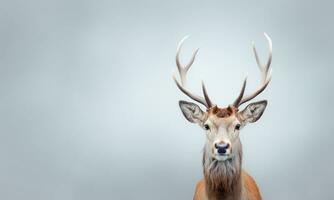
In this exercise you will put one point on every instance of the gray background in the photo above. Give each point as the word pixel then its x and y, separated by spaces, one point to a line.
pixel 88 109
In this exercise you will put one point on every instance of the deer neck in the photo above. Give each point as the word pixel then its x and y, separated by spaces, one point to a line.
pixel 223 178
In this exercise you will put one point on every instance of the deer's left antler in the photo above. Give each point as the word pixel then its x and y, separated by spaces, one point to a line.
pixel 265 77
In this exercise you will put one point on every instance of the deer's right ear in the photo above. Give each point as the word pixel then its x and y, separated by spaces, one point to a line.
pixel 192 112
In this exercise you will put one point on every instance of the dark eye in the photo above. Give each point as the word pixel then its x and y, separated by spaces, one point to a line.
pixel 237 127
pixel 206 127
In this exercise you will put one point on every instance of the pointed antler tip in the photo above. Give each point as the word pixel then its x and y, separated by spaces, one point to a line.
pixel 180 44
pixel 185 37
pixel 268 38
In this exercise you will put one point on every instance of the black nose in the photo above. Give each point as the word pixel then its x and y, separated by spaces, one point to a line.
pixel 221 148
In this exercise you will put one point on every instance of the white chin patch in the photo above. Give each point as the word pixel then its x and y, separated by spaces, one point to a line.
pixel 221 157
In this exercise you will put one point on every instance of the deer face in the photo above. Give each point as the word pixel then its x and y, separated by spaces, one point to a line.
pixel 222 126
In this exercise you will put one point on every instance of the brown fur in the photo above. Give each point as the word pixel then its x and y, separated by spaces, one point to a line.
pixel 248 189
pixel 222 112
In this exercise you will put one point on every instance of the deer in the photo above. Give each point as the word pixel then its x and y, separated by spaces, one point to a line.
pixel 223 176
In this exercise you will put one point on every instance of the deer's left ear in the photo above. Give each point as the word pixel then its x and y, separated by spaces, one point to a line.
pixel 252 112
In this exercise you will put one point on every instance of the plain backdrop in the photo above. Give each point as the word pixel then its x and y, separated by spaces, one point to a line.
pixel 89 111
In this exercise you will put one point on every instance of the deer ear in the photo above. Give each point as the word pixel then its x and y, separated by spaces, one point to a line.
pixel 192 112
pixel 253 112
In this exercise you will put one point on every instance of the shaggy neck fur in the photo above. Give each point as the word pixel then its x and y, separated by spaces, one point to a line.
pixel 223 178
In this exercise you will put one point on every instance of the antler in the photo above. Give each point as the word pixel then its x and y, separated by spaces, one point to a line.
pixel 265 77
pixel 183 72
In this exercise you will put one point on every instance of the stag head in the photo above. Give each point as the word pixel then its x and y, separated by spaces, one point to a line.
pixel 223 124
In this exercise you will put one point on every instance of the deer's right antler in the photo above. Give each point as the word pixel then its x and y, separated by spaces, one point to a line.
pixel 183 73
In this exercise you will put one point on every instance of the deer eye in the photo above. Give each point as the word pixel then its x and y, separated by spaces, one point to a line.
pixel 206 127
pixel 237 127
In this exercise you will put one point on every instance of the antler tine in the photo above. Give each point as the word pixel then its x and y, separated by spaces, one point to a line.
pixel 265 76
pixel 184 69
pixel 183 73
pixel 206 96
pixel 270 57
pixel 241 94
pixel 264 68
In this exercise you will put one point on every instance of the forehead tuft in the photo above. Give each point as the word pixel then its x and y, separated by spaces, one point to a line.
pixel 222 112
